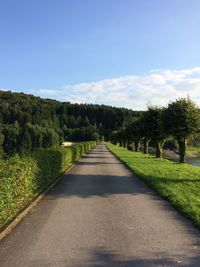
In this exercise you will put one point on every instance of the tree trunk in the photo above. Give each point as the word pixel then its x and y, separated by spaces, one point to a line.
pixel 182 148
pixel 124 144
pixel 159 150
pixel 145 143
pixel 137 145
pixel 120 143
pixel 129 145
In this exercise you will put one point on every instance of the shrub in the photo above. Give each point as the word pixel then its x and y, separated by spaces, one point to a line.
pixel 23 177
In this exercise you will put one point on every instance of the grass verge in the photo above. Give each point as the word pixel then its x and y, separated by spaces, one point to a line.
pixel 178 183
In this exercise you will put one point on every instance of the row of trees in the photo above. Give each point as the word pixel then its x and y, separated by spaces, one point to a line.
pixel 180 119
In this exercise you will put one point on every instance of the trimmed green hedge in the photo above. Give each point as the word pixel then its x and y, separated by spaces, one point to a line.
pixel 23 177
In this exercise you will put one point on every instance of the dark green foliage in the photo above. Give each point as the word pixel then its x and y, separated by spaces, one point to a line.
pixel 11 134
pixel 50 138
pixel 181 119
pixel 154 129
pixel 1 145
pixel 31 122
pixel 149 129
pixel 23 177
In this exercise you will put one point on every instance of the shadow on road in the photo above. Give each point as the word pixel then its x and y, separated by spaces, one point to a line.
pixel 96 163
pixel 87 185
pixel 101 257
pixel 50 218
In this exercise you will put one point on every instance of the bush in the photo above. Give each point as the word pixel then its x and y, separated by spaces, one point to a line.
pixel 23 177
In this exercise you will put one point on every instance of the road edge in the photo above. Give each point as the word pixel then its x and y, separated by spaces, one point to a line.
pixel 8 229
pixel 26 210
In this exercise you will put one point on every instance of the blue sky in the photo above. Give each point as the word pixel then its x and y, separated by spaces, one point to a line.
pixel 94 50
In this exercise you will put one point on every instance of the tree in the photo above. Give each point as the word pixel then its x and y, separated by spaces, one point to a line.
pixel 181 119
pixel 11 134
pixel 144 125
pixel 95 136
pixel 26 139
pixel 50 138
pixel 155 131
pixel 134 133
pixel 1 144
pixel 123 138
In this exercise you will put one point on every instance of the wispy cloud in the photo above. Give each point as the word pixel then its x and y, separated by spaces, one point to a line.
pixel 157 87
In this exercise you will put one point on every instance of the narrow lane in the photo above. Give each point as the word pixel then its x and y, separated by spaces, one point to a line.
pixel 99 215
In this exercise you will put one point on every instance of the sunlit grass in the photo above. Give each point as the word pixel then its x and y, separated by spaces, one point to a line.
pixel 179 183
pixel 193 149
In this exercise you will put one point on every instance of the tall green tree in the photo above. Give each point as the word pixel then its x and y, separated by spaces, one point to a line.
pixel 154 127
pixel 145 128
pixel 181 119
pixel 12 133
pixel 134 130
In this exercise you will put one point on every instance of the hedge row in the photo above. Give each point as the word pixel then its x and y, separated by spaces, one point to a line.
pixel 23 177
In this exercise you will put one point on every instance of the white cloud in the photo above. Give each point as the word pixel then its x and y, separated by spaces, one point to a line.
pixel 4 89
pixel 157 87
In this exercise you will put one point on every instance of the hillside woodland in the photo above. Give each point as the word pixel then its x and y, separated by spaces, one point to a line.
pixel 28 122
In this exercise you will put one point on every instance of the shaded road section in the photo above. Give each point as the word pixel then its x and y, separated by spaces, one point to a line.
pixel 100 214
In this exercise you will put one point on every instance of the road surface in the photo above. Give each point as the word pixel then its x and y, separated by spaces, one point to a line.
pixel 99 215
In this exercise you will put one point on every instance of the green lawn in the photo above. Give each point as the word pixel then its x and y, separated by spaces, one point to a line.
pixel 195 149
pixel 179 183
pixel 193 152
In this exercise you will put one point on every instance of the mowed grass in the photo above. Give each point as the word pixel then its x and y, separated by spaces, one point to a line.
pixel 178 183
pixel 193 152
pixel 193 149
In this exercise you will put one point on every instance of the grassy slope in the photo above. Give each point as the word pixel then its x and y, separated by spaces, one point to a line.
pixel 179 183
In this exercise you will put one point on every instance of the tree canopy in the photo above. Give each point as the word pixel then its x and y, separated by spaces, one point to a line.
pixel 28 122
pixel 180 119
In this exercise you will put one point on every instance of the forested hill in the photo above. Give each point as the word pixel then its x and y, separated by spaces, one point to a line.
pixel 27 121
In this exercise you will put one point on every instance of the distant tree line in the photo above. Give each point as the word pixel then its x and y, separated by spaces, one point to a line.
pixel 181 120
pixel 28 122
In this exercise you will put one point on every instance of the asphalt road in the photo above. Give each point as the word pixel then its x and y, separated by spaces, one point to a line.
pixel 101 215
